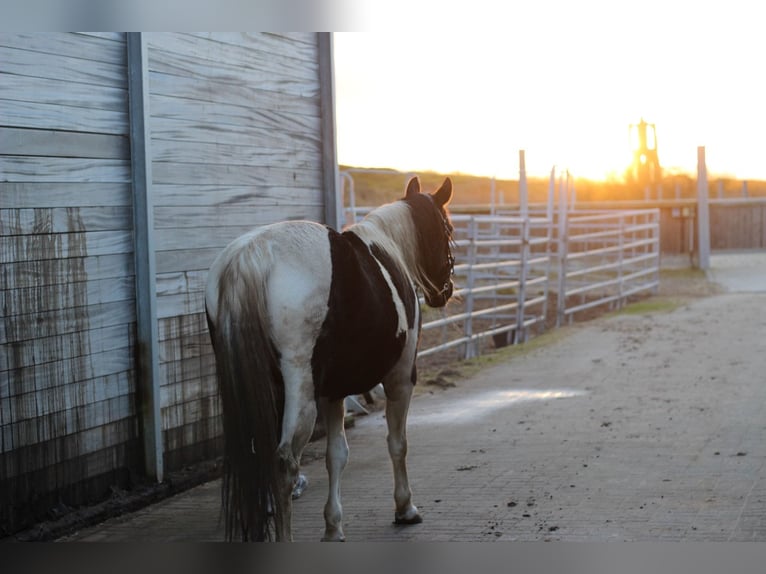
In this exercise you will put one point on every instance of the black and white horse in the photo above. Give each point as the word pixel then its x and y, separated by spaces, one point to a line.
pixel 301 315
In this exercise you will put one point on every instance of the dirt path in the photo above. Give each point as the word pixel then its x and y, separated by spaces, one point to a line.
pixel 648 425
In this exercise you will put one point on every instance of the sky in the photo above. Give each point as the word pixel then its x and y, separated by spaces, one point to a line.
pixel 561 80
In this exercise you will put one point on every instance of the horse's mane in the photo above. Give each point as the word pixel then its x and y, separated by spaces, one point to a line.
pixel 392 228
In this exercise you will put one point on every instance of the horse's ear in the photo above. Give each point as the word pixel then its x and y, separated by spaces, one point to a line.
pixel 443 195
pixel 413 187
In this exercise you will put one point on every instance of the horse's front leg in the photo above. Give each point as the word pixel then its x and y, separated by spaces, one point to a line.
pixel 398 394
pixel 335 459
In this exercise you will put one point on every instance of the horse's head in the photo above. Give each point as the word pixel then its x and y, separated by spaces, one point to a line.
pixel 434 231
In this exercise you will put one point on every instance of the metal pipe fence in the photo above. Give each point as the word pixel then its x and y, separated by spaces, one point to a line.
pixel 605 257
pixel 515 263
pixel 501 284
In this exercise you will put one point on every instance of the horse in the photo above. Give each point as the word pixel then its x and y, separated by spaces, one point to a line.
pixel 301 316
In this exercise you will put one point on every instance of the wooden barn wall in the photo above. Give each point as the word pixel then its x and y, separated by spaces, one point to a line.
pixel 67 407
pixel 738 225
pixel 235 143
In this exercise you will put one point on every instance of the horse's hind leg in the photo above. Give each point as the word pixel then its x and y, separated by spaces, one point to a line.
pixel 336 459
pixel 398 394
pixel 297 424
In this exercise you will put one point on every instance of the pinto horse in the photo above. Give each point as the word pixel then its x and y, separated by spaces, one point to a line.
pixel 302 316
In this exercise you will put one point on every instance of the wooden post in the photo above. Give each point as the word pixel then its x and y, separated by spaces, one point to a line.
pixel 703 213
pixel 330 187
pixel 148 376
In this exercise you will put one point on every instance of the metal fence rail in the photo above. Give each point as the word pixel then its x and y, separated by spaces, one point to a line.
pixel 606 257
pixel 510 266
pixel 502 283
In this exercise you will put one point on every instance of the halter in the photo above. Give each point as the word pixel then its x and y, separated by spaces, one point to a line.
pixel 450 257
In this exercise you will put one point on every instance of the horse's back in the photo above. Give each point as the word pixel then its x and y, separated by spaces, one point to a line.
pixel 281 262
pixel 342 308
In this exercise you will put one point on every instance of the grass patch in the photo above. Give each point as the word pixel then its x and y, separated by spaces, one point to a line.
pixel 651 305
pixel 690 273
pixel 459 370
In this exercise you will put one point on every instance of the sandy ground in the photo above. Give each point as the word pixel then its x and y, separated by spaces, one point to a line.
pixel 645 425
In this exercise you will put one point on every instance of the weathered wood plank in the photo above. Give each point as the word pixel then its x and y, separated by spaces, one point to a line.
pixel 203 196
pixel 40 195
pixel 231 216
pixel 49 272
pixel 243 126
pixel 300 154
pixel 181 282
pixel 17 248
pixel 113 36
pixel 277 94
pixel 176 327
pixel 204 238
pixel 248 112
pixel 70 45
pixel 61 93
pixel 244 101
pixel 270 42
pixel 52 143
pixel 59 411
pixel 242 55
pixel 187 347
pixel 208 174
pixel 59 169
pixel 64 220
pixel 180 378
pixel 67 346
pixel 185 388
pixel 73 371
pixel 23 62
pixel 25 301
pixel 170 261
pixel 301 46
pixel 62 448
pixel 188 127
pixel 183 304
pixel 195 433
pixel 77 319
pixel 191 411
pixel 60 117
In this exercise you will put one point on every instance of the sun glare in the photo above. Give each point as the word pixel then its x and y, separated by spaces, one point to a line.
pixel 566 92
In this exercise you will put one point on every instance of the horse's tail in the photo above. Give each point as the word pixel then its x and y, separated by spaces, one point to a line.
pixel 252 396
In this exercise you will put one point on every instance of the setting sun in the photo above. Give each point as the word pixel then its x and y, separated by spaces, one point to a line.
pixel 562 84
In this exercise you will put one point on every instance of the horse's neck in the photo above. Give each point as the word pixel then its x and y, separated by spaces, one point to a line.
pixel 390 227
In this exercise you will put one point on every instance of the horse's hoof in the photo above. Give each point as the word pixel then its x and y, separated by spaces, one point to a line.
pixel 406 518
pixel 334 538
pixel 300 485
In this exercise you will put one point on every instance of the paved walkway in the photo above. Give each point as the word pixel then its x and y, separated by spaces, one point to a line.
pixel 632 427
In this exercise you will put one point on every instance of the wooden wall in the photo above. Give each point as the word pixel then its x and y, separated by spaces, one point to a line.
pixel 236 142
pixel 67 405
pixel 738 224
